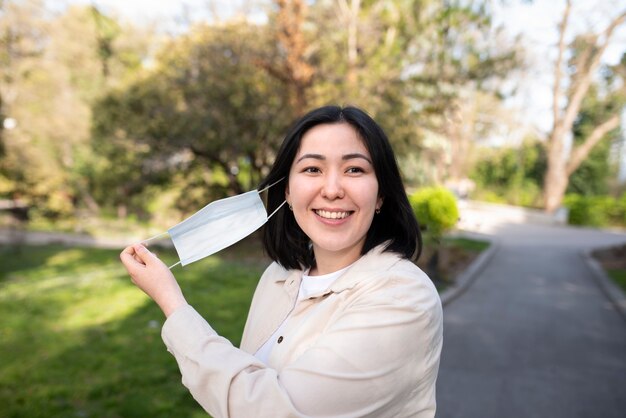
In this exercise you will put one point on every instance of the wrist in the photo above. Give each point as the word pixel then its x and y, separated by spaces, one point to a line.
pixel 170 306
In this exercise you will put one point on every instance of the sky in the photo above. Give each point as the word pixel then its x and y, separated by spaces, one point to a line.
pixel 170 13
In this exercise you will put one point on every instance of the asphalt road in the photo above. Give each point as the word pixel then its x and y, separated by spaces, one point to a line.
pixel 534 336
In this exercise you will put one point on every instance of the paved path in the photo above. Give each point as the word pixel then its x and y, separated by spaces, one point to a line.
pixel 534 336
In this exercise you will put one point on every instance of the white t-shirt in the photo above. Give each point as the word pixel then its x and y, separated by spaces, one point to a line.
pixel 308 286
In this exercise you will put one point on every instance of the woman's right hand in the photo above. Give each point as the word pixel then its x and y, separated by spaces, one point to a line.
pixel 152 276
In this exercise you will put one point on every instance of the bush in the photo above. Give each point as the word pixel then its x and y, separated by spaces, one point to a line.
pixel 621 208
pixel 511 175
pixel 595 210
pixel 436 209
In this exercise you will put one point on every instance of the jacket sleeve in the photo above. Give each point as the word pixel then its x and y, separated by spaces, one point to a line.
pixel 224 380
pixel 377 353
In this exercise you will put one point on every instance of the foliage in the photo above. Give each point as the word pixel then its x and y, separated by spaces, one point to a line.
pixel 51 73
pixel 596 173
pixel 599 211
pixel 511 175
pixel 414 65
pixel 116 129
pixel 185 123
pixel 436 209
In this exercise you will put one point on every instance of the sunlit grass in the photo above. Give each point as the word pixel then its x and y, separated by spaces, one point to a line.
pixel 77 339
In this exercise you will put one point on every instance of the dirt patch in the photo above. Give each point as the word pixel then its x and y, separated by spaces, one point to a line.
pixel 444 265
pixel 613 258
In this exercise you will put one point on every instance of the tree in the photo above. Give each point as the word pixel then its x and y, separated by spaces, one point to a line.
pixel 51 74
pixel 205 112
pixel 22 32
pixel 289 62
pixel 459 87
pixel 414 65
pixel 586 53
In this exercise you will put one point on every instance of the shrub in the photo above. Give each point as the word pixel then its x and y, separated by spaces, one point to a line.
pixel 436 209
pixel 593 210
pixel 621 209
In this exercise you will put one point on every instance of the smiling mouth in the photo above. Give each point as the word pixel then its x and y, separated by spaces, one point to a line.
pixel 332 215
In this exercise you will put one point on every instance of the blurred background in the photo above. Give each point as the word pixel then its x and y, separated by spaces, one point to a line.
pixel 119 119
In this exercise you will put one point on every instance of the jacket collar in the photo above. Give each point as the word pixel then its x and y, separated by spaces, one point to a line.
pixel 369 265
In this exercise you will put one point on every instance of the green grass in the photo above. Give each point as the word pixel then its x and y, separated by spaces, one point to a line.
pixel 77 339
pixel 619 277
pixel 467 244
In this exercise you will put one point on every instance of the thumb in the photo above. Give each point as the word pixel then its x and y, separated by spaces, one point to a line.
pixel 144 254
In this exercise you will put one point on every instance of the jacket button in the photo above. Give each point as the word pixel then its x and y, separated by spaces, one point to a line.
pixel 280 339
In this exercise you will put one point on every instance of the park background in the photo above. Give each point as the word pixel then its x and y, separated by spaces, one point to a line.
pixel 118 122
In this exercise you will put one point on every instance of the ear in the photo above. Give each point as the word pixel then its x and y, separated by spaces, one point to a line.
pixel 287 193
pixel 379 203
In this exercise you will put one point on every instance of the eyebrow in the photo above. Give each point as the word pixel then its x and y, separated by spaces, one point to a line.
pixel 344 157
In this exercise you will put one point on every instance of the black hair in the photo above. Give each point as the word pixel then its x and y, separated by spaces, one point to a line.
pixel 283 239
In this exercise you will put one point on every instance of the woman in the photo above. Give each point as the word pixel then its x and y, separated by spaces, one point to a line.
pixel 342 324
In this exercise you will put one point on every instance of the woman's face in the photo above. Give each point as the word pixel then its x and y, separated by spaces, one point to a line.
pixel 334 192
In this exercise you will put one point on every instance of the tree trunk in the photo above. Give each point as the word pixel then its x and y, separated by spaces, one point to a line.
pixel 555 185
pixel 557 178
pixel 350 14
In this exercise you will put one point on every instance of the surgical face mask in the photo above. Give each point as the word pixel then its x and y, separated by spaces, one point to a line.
pixel 218 225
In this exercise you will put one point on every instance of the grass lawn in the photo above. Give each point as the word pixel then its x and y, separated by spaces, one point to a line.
pixel 77 339
pixel 619 277
pixel 613 260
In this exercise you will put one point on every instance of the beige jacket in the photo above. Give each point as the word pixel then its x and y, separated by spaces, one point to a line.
pixel 368 347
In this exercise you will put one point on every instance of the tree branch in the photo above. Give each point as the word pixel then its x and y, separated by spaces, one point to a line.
pixel 558 71
pixel 582 151
pixel 589 69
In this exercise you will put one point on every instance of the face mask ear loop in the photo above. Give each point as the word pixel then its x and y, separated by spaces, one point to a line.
pixel 276 210
pixel 273 184
pixel 154 237
pixel 159 236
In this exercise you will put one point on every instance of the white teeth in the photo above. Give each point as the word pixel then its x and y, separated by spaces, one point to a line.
pixel 331 215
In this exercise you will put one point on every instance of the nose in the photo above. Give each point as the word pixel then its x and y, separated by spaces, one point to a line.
pixel 332 188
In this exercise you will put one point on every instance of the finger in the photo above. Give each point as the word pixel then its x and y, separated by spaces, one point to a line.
pixel 129 250
pixel 128 258
pixel 144 254
pixel 137 259
pixel 127 254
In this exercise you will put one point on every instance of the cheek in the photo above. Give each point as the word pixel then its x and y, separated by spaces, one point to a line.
pixel 370 194
pixel 301 192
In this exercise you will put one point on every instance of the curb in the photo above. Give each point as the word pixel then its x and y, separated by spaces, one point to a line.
pixel 615 295
pixel 469 276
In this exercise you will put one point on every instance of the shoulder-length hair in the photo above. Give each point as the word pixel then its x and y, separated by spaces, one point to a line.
pixel 283 239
